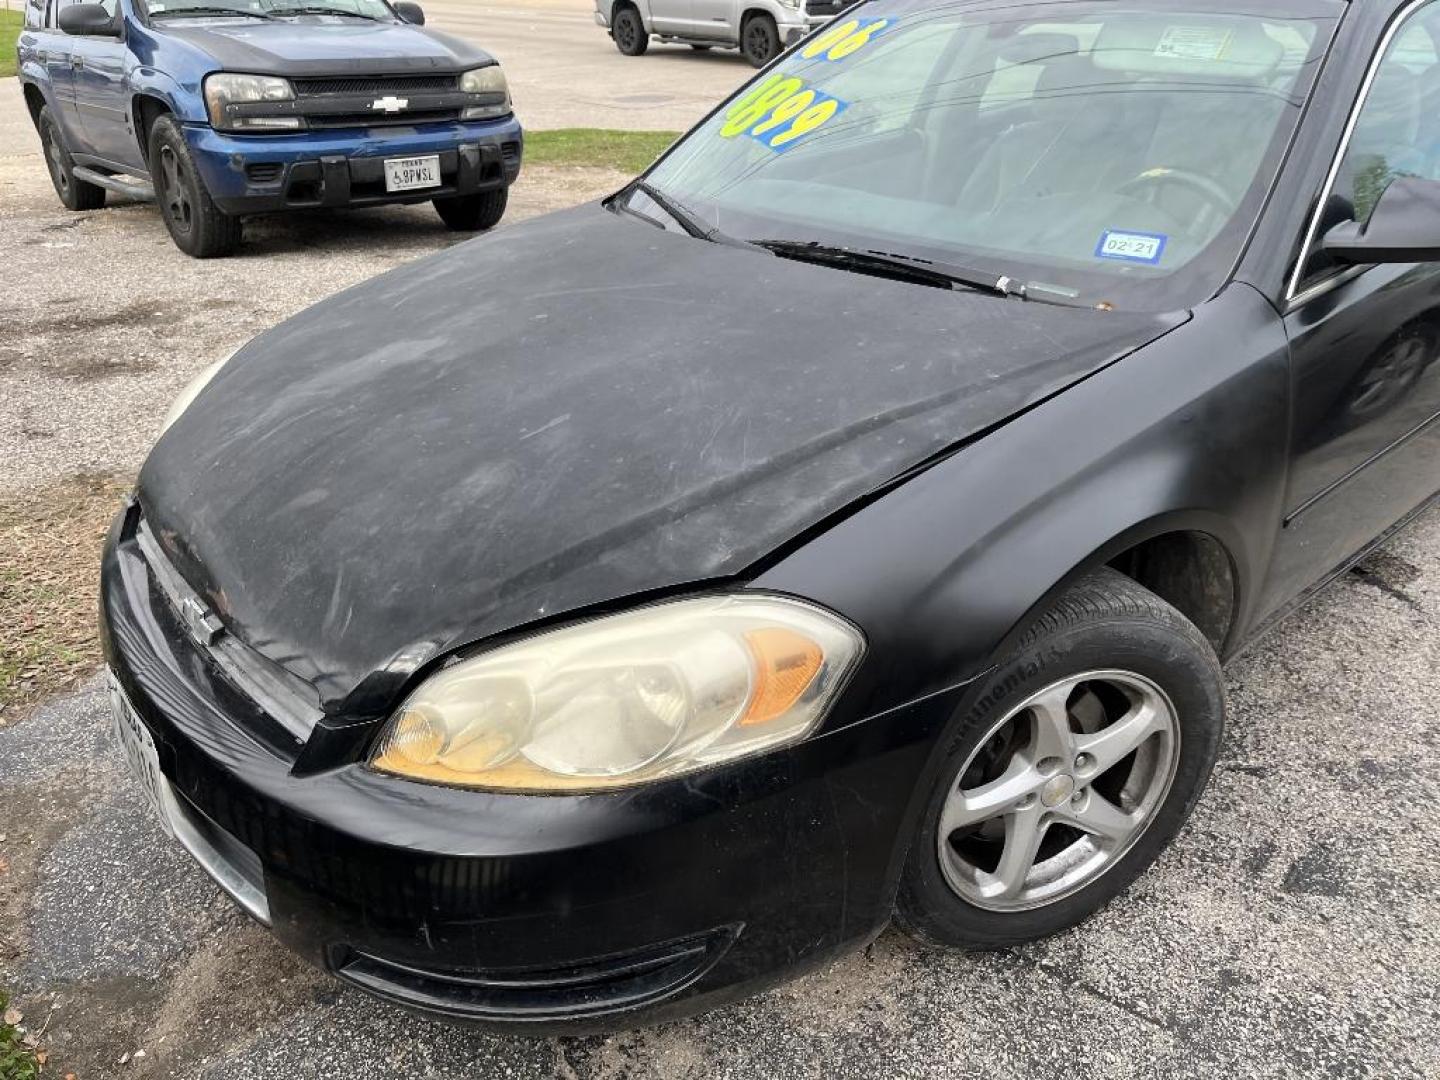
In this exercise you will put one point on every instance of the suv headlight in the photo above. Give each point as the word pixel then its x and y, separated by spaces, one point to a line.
pixel 225 89
pixel 626 699
pixel 491 82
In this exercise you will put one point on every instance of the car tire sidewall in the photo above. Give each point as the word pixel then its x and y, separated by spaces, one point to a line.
pixel 1176 658
pixel 638 40
pixel 756 28
pixel 73 194
pixel 473 213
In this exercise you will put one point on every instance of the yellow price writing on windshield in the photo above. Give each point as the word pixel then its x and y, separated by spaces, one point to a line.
pixel 840 41
pixel 779 111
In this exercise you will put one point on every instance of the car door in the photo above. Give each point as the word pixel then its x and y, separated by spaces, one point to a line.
pixel 715 18
pixel 97 64
pixel 672 17
pixel 53 51
pixel 1365 340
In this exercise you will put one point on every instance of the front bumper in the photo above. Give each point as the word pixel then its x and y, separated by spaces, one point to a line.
pixel 252 174
pixel 543 913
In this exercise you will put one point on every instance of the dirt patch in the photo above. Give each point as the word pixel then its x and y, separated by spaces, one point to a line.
pixel 51 539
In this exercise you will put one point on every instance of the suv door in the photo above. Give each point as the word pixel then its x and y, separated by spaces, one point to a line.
pixel 98 69
pixel 53 51
pixel 1364 340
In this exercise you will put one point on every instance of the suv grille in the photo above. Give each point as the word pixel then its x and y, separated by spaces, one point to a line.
pixel 378 86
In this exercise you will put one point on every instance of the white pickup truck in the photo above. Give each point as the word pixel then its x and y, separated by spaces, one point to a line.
pixel 758 28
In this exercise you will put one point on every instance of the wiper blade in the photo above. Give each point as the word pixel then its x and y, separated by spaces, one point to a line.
pixel 905 267
pixel 318 9
pixel 213 9
pixel 685 218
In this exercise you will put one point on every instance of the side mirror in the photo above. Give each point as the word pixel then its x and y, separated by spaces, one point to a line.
pixel 88 20
pixel 411 13
pixel 1404 227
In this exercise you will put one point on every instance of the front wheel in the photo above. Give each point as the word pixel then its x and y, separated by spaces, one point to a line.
pixel 629 32
pixel 759 40
pixel 198 227
pixel 1080 755
pixel 471 213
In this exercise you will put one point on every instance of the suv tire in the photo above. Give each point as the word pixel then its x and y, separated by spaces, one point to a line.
pixel 74 194
pixel 629 32
pixel 198 227
pixel 996 860
pixel 759 40
pixel 472 213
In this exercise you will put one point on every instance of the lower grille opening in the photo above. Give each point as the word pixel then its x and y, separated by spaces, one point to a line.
pixel 265 172
pixel 622 981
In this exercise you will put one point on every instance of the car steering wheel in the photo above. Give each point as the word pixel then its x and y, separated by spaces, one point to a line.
pixel 1210 190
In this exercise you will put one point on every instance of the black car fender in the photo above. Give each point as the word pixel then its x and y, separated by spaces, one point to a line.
pixel 944 571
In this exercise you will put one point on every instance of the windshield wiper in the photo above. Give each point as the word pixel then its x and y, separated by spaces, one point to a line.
pixel 685 218
pixel 320 9
pixel 909 268
pixel 213 9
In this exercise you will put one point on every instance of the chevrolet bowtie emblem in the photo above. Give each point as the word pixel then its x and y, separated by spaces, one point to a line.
pixel 390 104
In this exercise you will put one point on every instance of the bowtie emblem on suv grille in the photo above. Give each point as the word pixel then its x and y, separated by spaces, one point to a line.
pixel 390 104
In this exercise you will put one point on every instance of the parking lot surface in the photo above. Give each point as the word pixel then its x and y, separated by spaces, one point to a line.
pixel 1293 930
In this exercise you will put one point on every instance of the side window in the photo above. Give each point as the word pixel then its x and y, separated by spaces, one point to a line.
pixel 1397 132
pixel 34 13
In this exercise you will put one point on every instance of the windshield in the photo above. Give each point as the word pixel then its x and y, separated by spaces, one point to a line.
pixel 365 9
pixel 1116 153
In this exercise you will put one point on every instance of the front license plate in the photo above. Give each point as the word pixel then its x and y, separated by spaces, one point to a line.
pixel 139 748
pixel 412 173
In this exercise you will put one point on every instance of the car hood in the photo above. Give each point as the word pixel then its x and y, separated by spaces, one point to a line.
pixel 567 413
pixel 326 47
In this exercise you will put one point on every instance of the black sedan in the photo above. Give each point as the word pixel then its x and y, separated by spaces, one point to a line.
pixel 844 522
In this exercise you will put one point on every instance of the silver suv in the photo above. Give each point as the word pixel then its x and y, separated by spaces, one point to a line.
pixel 758 28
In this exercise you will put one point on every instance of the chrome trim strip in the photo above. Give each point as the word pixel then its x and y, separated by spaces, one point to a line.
pixel 1350 123
pixel 1323 286
pixel 239 888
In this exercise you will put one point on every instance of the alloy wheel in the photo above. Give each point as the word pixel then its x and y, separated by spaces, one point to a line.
pixel 1390 376
pixel 1058 791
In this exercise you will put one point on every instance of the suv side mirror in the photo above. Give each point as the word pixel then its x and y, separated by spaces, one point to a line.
pixel 411 13
pixel 88 20
pixel 1404 227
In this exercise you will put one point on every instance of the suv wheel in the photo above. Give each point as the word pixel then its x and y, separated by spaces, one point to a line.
pixel 1080 756
pixel 629 32
pixel 198 227
pixel 471 213
pixel 759 40
pixel 75 194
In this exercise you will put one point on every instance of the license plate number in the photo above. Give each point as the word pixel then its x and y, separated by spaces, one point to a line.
pixel 408 174
pixel 138 746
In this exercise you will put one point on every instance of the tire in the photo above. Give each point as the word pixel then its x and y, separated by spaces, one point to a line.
pixel 74 194
pixel 198 227
pixel 629 32
pixel 1132 649
pixel 472 213
pixel 759 40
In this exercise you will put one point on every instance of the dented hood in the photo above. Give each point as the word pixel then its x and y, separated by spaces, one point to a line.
pixel 565 413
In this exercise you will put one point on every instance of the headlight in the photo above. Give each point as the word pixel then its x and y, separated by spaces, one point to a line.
pixel 225 89
pixel 489 80
pixel 626 699
pixel 191 392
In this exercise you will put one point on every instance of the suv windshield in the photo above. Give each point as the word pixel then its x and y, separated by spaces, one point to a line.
pixel 365 9
pixel 1116 154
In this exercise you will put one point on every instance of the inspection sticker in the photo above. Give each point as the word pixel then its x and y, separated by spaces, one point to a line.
pixel 1131 246
pixel 1193 43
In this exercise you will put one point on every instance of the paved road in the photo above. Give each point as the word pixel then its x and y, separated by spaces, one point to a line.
pixel 565 71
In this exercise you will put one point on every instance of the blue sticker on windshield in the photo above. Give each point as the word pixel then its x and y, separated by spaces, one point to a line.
pixel 1141 247
pixel 786 122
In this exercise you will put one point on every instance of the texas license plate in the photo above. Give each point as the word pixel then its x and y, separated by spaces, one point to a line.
pixel 411 173
pixel 139 748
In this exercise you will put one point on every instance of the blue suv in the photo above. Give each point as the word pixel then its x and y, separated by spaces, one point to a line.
pixel 224 108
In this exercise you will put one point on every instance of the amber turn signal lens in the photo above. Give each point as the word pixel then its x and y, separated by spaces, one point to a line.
pixel 786 664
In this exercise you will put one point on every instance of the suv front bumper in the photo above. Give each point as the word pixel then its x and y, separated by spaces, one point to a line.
pixel 255 174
